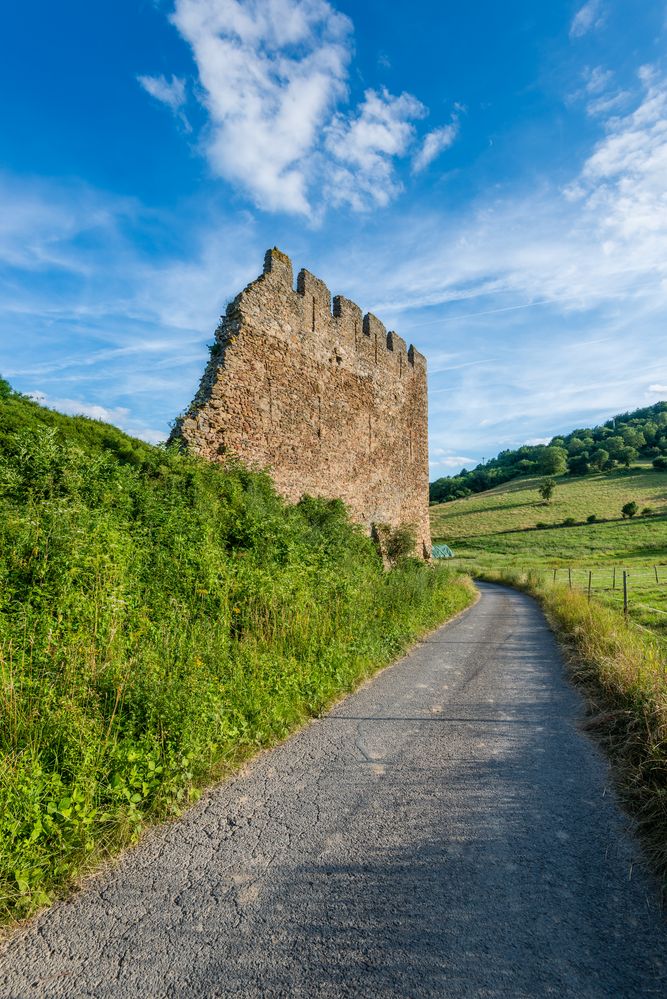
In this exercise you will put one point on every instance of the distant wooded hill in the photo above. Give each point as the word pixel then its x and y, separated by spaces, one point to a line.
pixel 624 439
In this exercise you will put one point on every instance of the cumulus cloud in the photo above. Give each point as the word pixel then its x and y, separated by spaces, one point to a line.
pixel 271 73
pixel 362 148
pixel 588 18
pixel 660 389
pixel 273 77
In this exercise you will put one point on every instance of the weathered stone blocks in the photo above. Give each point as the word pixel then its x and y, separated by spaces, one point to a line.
pixel 329 402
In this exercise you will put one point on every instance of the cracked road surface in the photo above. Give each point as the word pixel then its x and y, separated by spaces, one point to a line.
pixel 445 831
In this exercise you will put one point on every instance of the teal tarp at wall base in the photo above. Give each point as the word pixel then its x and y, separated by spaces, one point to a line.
pixel 441 551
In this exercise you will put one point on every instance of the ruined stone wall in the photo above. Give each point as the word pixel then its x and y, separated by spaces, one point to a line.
pixel 328 401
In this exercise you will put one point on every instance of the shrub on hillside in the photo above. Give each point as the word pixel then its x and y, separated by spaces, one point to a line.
pixel 160 618
pixel 396 543
pixel 591 518
pixel 546 489
pixel 629 509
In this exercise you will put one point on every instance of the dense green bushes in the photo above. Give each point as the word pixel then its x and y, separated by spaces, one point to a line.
pixel 160 619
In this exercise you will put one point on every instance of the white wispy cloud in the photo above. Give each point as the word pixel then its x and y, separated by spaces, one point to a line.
pixel 273 77
pixel 170 93
pixel 587 18
pixel 600 239
pixel 434 143
pixel 118 416
pixel 658 388
pixel 556 298
pixel 445 461
pixel 86 311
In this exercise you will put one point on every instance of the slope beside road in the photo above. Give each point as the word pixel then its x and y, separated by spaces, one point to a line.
pixel 445 831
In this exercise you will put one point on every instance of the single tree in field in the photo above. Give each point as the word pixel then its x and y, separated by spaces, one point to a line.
pixel 630 509
pixel 546 489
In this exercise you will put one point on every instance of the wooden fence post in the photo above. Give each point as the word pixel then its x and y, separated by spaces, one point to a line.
pixel 625 595
pixel 613 585
pixel 555 571
pixel 569 575
pixel 655 569
pixel 590 576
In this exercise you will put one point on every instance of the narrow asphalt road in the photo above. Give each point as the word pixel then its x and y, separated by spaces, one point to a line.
pixel 445 831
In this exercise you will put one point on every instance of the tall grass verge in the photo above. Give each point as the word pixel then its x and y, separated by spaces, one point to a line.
pixel 623 670
pixel 161 619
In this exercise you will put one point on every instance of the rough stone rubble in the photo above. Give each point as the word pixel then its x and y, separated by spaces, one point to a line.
pixel 327 400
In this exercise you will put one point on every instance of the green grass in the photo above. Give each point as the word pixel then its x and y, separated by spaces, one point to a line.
pixel 497 530
pixel 517 505
pixel 161 619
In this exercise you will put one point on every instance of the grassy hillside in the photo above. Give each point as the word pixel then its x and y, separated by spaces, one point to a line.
pixel 517 505
pixel 620 442
pixel 161 619
pixel 497 530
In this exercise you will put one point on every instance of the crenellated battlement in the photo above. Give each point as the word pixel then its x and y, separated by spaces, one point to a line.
pixel 319 393
pixel 336 316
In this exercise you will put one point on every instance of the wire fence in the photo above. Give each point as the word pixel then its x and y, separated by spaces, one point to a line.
pixel 621 585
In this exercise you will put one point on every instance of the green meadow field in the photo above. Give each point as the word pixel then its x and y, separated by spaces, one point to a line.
pixel 498 529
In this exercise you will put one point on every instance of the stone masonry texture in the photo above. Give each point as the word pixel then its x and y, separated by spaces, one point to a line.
pixel 328 401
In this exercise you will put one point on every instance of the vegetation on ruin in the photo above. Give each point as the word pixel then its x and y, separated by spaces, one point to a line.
pixel 626 438
pixel 162 619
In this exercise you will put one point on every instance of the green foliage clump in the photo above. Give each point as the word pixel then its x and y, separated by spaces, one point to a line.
pixel 161 618
pixel 546 489
pixel 629 509
pixel 396 543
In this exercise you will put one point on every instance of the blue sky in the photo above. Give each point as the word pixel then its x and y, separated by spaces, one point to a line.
pixel 490 179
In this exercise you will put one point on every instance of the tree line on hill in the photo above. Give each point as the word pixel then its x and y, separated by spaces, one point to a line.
pixel 618 442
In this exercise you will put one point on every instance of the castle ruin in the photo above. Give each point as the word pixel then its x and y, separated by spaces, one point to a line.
pixel 329 402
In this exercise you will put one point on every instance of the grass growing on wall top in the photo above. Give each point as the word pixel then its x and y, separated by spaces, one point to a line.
pixel 161 619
